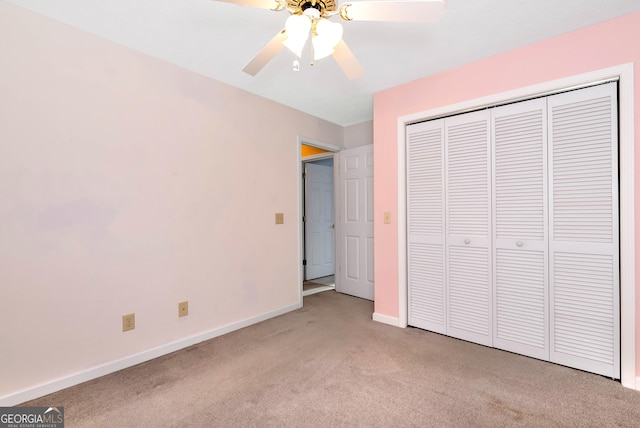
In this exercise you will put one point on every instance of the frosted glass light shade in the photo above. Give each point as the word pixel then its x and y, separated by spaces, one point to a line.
pixel 328 34
pixel 297 28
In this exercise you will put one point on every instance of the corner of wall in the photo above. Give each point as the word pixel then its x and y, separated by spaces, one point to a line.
pixel 385 319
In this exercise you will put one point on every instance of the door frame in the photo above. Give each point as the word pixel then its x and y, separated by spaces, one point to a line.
pixel 332 151
pixel 625 75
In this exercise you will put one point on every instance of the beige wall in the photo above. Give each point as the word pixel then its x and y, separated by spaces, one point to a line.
pixel 128 185
pixel 358 135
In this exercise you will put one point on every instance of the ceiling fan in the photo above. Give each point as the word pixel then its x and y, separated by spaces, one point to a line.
pixel 311 17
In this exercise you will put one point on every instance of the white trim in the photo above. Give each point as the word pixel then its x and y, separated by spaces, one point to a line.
pixel 385 319
pixel 317 156
pixel 627 228
pixel 132 360
pixel 316 290
pixel 627 194
pixel 337 260
pixel 299 217
pixel 403 299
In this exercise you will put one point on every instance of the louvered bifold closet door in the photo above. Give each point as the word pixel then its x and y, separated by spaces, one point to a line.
pixel 425 225
pixel 468 226
pixel 519 134
pixel 584 264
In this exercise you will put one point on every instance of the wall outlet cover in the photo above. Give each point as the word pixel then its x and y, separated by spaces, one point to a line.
pixel 183 309
pixel 128 322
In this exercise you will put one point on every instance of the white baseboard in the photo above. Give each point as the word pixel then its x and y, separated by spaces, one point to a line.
pixel 315 290
pixel 386 319
pixel 122 363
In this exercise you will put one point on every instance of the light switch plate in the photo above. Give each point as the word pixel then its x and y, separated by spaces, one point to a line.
pixel 279 218
pixel 387 217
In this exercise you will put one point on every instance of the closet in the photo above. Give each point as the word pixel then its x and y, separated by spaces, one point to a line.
pixel 512 228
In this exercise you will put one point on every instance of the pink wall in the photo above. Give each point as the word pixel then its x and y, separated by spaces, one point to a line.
pixel 128 185
pixel 601 46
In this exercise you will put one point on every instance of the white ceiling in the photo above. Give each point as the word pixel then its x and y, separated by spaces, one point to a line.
pixel 216 39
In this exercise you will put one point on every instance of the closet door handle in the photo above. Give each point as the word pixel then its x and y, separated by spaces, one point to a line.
pixel 519 243
pixel 467 241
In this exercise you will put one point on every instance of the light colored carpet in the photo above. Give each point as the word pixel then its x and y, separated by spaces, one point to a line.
pixel 329 365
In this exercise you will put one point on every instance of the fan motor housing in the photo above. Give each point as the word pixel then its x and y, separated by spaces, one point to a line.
pixel 323 6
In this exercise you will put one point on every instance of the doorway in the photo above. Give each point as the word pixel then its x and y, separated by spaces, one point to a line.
pixel 528 202
pixel 318 214
pixel 351 230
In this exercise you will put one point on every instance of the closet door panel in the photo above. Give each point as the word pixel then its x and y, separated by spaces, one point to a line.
pixel 520 322
pixel 468 225
pixel 426 226
pixel 584 236
pixel 469 293
pixel 519 173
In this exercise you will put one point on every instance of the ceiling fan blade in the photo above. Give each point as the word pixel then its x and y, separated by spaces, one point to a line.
pixel 394 11
pixel 261 4
pixel 347 61
pixel 267 53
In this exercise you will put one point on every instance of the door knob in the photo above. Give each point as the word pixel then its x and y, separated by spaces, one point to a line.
pixel 467 241
pixel 519 243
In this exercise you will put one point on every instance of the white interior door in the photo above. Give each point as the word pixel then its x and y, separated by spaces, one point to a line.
pixel 319 225
pixel 584 236
pixel 520 228
pixel 468 227
pixel 425 226
pixel 355 223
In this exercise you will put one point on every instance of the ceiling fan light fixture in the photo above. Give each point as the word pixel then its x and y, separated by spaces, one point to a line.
pixel 312 14
pixel 326 36
pixel 313 9
pixel 320 50
pixel 297 28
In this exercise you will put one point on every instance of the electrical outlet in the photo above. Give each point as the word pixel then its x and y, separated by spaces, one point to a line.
pixel 183 309
pixel 128 322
